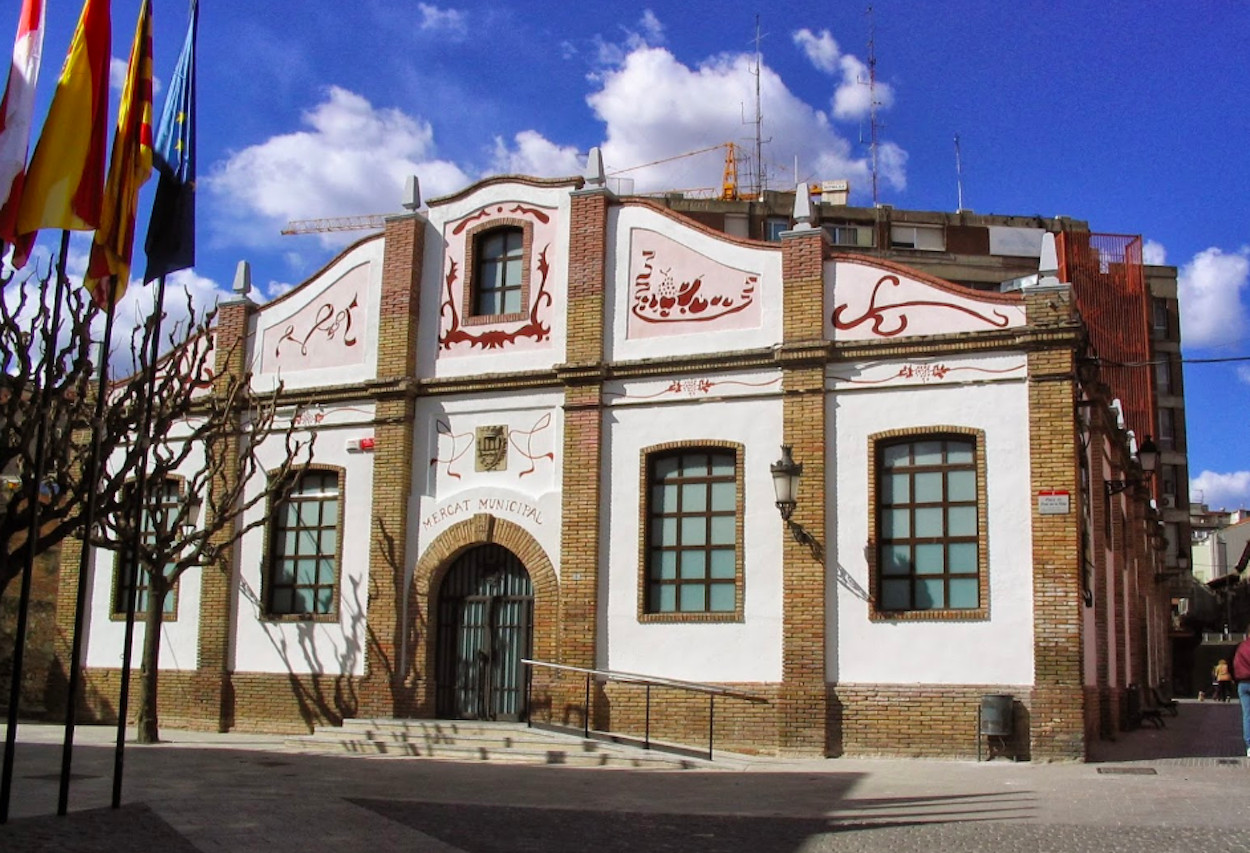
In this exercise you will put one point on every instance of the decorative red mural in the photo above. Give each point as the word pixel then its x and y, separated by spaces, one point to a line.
pixel 896 316
pixel 664 300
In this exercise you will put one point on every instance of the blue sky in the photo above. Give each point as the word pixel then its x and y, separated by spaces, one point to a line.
pixel 1132 117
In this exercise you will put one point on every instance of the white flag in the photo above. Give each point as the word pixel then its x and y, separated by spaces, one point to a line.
pixel 16 111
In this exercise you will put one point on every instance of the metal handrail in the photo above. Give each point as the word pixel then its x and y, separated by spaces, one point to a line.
pixel 636 678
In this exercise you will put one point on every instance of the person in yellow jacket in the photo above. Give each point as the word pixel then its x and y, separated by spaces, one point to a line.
pixel 1223 681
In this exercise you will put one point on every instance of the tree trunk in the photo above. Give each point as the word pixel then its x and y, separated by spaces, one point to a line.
pixel 147 723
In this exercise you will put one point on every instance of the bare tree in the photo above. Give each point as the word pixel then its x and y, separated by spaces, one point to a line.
pixel 201 448
pixel 170 421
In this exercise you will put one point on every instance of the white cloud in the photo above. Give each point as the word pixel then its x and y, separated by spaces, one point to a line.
pixel 451 21
pixel 352 160
pixel 1212 313
pixel 654 107
pixel 1154 254
pixel 821 50
pixel 533 154
pixel 649 33
pixel 117 76
pixel 852 99
pixel 1222 491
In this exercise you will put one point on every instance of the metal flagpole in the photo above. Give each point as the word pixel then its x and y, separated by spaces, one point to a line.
pixel 50 355
pixel 141 493
pixel 84 560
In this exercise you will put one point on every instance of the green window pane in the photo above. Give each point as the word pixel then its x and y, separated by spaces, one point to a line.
pixel 929 487
pixel 330 541
pixel 723 563
pixel 282 600
pixel 330 513
pixel 896 559
pixel 930 559
pixel 723 465
pixel 168 606
pixel 896 489
pixel 962 557
pixel 302 600
pixel 664 564
pixel 961 485
pixel 666 468
pixel 929 522
pixel 325 571
pixel 664 532
pixel 724 497
pixel 693 598
pixel 664 599
pixel 721 598
pixel 928 453
pixel 664 498
pixel 694 565
pixel 896 595
pixel 694 531
pixel 286 573
pixel 306 572
pixel 325 600
pixel 963 593
pixel 512 301
pixel 930 594
pixel 290 515
pixel 307 543
pixel 959 452
pixel 896 455
pixel 694 465
pixel 724 530
pixel 962 520
pixel 896 524
pixel 694 497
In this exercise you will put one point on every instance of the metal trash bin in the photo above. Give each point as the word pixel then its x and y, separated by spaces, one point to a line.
pixel 994 719
pixel 996 716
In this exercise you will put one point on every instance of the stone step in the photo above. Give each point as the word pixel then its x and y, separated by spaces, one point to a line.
pixel 468 740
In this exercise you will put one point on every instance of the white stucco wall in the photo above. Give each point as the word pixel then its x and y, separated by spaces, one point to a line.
pixel 337 647
pixel 995 651
pixel 749 651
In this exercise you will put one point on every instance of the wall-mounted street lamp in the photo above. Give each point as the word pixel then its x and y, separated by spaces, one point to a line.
pixel 786 473
pixel 189 519
pixel 1147 458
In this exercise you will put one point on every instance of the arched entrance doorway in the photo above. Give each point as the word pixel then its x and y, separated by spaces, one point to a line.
pixel 485 628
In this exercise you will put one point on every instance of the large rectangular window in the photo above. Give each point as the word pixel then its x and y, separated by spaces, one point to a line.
pixel 692 532
pixel 928 529
pixel 303 569
pixel 162 501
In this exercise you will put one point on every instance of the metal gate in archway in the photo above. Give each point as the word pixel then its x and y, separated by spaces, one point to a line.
pixel 485 629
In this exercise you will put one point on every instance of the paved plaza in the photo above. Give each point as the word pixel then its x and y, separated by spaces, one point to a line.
pixel 1181 788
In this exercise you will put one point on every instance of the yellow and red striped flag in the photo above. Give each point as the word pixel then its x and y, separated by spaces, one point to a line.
pixel 16 111
pixel 65 181
pixel 129 168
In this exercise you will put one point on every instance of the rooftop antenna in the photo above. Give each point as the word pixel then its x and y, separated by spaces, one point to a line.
pixel 759 119
pixel 959 176
pixel 872 99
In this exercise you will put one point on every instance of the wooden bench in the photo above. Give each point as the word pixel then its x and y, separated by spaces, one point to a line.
pixel 1163 703
pixel 1138 712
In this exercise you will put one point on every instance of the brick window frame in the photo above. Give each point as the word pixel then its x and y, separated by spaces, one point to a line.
pixel 269 555
pixel 876 444
pixel 472 250
pixel 646 455
pixel 117 602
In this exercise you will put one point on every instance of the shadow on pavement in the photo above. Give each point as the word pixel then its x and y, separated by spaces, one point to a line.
pixel 1199 730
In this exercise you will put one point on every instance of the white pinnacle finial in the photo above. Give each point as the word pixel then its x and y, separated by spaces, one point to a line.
pixel 594 173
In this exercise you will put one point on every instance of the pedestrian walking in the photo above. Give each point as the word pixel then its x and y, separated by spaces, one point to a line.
pixel 1241 671
pixel 1223 677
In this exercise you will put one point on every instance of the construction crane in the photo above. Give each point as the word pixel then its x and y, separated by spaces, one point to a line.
pixel 368 222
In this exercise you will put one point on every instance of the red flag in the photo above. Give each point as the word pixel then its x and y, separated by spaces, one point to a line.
pixel 129 168
pixel 65 181
pixel 16 111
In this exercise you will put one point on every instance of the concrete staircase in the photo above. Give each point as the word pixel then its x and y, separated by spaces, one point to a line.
pixel 515 743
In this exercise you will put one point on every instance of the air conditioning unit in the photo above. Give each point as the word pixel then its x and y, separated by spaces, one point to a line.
pixel 1167 501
